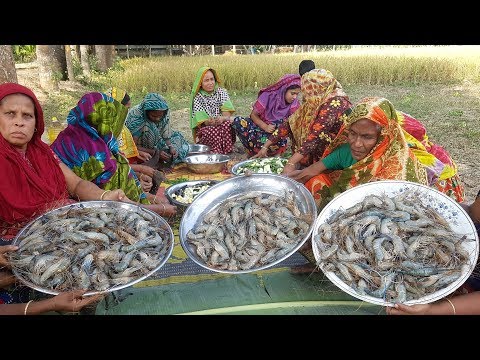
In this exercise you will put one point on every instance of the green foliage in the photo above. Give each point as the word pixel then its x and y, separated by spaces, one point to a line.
pixel 24 53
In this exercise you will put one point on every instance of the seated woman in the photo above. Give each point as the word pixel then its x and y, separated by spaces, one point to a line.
pixel 37 180
pixel 150 178
pixel 149 123
pixel 210 113
pixel 370 146
pixel 359 155
pixel 274 104
pixel 316 122
pixel 89 147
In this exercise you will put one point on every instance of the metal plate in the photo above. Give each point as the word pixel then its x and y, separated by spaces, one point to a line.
pixel 450 210
pixel 156 221
pixel 240 185
pixel 235 168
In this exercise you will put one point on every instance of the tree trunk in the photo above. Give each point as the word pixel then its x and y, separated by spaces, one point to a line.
pixel 68 58
pixel 46 72
pixel 84 60
pixel 60 62
pixel 8 73
pixel 104 55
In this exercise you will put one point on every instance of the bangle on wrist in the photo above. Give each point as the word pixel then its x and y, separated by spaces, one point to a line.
pixel 453 306
pixel 26 307
pixel 103 194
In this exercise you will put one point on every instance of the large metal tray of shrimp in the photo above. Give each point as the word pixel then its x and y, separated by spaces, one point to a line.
pixel 247 223
pixel 390 241
pixel 101 246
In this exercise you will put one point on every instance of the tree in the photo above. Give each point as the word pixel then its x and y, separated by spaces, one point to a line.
pixel 46 68
pixel 8 73
pixel 104 54
pixel 84 60
pixel 68 58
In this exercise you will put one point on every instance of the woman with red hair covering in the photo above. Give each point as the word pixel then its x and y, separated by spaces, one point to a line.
pixel 36 180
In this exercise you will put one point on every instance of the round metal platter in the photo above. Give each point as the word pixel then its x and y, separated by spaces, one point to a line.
pixel 157 221
pixel 450 210
pixel 237 186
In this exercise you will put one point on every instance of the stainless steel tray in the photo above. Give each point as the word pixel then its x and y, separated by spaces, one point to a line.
pixel 156 220
pixel 450 210
pixel 240 185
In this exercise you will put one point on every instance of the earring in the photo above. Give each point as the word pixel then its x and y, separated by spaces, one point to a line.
pixel 35 130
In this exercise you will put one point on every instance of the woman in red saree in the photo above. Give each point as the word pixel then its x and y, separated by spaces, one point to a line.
pixel 35 180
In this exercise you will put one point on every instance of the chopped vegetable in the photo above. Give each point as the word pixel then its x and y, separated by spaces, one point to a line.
pixel 273 165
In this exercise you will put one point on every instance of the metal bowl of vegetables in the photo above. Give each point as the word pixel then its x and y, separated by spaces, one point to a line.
pixel 183 194
pixel 207 163
pixel 271 165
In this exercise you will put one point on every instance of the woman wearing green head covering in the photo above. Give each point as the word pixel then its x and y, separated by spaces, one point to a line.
pixel 210 112
pixel 149 123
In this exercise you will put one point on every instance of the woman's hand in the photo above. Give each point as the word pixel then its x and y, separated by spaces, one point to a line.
pixel 146 182
pixel 401 309
pixel 162 209
pixel 269 128
pixel 117 195
pixel 173 151
pixel 4 250
pixel 164 156
pixel 7 279
pixel 144 156
pixel 261 153
pixel 73 301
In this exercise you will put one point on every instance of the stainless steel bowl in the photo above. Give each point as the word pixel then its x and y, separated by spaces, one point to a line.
pixel 155 220
pixel 196 149
pixel 180 188
pixel 207 163
pixel 242 185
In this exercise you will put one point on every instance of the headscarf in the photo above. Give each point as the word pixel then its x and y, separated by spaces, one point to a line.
pixel 88 145
pixel 151 134
pixel 390 159
pixel 28 191
pixel 271 104
pixel 318 87
pixel 126 143
pixel 204 105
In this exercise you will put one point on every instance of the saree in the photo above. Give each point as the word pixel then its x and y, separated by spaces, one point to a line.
pixel 33 183
pixel 89 146
pixel 203 106
pixel 318 119
pixel 126 143
pixel 441 169
pixel 151 134
pixel 272 108
pixel 390 159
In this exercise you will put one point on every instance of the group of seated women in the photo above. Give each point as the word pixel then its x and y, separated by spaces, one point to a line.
pixel 111 152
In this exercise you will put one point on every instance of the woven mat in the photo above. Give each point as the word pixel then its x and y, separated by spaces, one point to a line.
pixel 180 268
pixel 183 287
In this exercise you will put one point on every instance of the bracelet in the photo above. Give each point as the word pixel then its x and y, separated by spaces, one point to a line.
pixel 103 194
pixel 453 306
pixel 289 163
pixel 26 307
